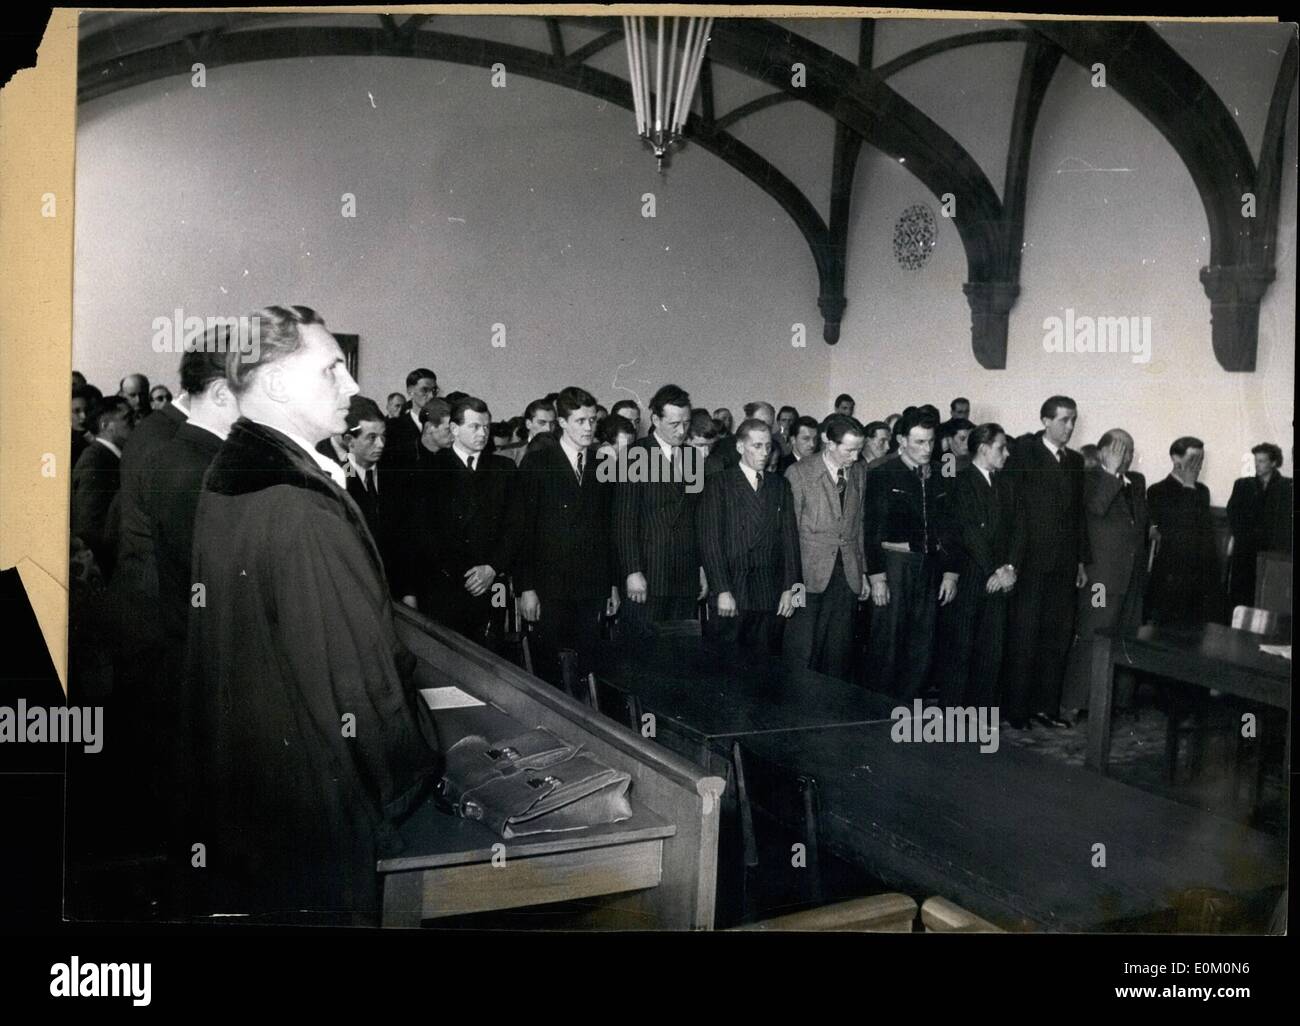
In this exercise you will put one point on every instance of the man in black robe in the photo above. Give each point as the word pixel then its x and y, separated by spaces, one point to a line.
pixel 308 742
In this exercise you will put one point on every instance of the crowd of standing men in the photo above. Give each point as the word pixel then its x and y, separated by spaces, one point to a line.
pixel 269 515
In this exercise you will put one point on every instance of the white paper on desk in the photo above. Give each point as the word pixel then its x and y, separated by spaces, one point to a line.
pixel 447 698
pixel 1278 650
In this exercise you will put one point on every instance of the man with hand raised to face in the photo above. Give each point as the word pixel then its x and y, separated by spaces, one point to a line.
pixel 564 572
pixel 749 541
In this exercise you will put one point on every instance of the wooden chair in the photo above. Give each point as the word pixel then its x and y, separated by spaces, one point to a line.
pixel 881 913
pixel 939 915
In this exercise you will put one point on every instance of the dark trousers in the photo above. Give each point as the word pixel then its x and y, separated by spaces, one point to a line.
pixel 451 605
pixel 820 636
pixel 636 619
pixel 567 623
pixel 1038 642
pixel 902 633
pixel 974 648
pixel 756 633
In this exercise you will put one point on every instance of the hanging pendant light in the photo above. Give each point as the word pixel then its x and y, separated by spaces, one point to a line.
pixel 663 84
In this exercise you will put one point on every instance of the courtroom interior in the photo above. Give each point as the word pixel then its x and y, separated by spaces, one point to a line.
pixel 683 473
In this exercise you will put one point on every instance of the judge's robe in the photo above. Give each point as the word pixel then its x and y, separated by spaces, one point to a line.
pixel 308 743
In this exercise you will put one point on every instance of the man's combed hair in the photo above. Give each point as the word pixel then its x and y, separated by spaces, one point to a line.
pixel 844 397
pixel 806 422
pixel 837 425
pixel 363 408
pixel 917 418
pixel 1054 403
pixel 530 411
pixel 624 404
pixel 279 335
pixel 874 426
pixel 418 375
pixel 669 395
pixel 108 406
pixel 749 426
pixel 206 362
pixel 985 434
pixel 469 402
pixel 613 426
pixel 570 399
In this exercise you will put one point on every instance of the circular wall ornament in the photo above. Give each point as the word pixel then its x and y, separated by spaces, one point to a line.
pixel 914 237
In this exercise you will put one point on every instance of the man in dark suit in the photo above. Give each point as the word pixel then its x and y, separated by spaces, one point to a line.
pixel 1260 512
pixel 804 442
pixel 368 486
pixel 912 557
pixel 828 495
pixel 1115 499
pixel 1184 589
pixel 174 476
pixel 469 538
pixel 96 480
pixel 402 436
pixel 749 540
pixel 1047 478
pixel 81 404
pixel 992 547
pixel 564 573
pixel 137 577
pixel 655 504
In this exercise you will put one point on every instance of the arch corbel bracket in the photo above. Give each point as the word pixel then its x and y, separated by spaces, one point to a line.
pixel 1235 292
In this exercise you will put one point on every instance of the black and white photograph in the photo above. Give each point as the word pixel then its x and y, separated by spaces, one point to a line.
pixel 680 469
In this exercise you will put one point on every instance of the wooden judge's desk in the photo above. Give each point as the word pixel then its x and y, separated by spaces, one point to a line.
pixel 657 870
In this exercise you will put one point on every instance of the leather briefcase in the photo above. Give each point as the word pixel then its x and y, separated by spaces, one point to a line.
pixel 534 783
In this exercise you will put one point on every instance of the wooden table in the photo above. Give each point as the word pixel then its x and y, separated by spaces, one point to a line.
pixel 1214 656
pixel 1011 837
pixel 703 698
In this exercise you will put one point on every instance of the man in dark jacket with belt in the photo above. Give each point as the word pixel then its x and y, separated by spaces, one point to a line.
pixel 912 557
pixel 308 741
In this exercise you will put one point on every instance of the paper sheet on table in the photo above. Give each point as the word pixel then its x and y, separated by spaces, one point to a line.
pixel 447 698
pixel 1278 650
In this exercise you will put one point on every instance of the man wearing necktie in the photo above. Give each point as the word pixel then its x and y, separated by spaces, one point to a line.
pixel 912 557
pixel 564 573
pixel 828 491
pixel 1117 522
pixel 1048 480
pixel 469 537
pixel 365 436
pixel 992 547
pixel 749 541
pixel 654 521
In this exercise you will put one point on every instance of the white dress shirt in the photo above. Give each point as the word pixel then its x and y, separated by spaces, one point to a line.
pixel 326 464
